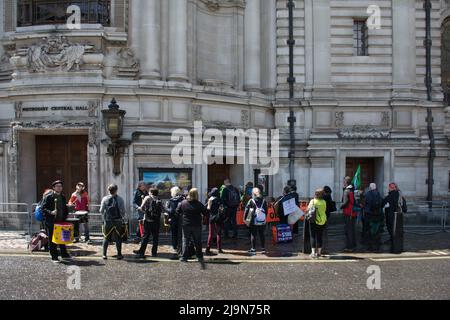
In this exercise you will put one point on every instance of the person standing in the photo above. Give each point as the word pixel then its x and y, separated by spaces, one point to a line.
pixel 331 207
pixel 175 228
pixel 297 203
pixel 152 206
pixel 55 210
pixel 231 199
pixel 112 210
pixel 394 207
pixel 317 226
pixel 373 217
pixel 139 195
pixel 257 207
pixel 216 219
pixel 191 212
pixel 279 208
pixel 348 200
pixel 80 202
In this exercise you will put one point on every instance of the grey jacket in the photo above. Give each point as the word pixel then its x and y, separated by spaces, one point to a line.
pixel 104 205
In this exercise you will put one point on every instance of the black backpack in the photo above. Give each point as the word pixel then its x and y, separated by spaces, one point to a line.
pixel 217 212
pixel 233 199
pixel 154 210
pixel 112 209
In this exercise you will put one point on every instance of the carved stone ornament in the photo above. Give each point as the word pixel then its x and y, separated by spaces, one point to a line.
pixel 339 116
pixel 128 64
pixel 55 54
pixel 363 132
pixel 245 118
pixel 197 113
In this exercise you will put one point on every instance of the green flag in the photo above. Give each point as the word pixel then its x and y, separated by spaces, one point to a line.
pixel 357 179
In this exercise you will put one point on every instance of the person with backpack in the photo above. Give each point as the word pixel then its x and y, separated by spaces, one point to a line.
pixel 139 195
pixel 231 200
pixel 152 206
pixel 350 216
pixel 216 217
pixel 395 205
pixel 373 217
pixel 175 228
pixel 255 212
pixel 54 208
pixel 112 210
pixel 247 194
pixel 317 223
pixel 191 212
pixel 80 202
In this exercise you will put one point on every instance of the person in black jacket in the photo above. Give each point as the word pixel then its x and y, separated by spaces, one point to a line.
pixel 331 207
pixel 191 212
pixel 55 210
pixel 373 217
pixel 394 218
pixel 287 195
pixel 152 206
pixel 256 227
pixel 215 220
pixel 231 199
pixel 175 228
pixel 139 195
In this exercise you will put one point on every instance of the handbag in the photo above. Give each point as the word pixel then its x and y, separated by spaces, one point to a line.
pixel 311 214
pixel 248 218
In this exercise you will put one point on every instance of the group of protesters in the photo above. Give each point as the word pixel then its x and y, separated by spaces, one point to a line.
pixel 186 215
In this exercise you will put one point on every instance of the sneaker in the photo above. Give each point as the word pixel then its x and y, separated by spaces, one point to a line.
pixel 252 252
pixel 154 255
pixel 263 251
pixel 313 256
pixel 76 240
pixel 208 252
pixel 105 258
pixel 183 260
pixel 139 254
pixel 89 241
pixel 221 251
pixel 56 260
pixel 120 257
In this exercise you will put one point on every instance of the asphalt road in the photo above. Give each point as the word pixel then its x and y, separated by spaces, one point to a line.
pixel 26 277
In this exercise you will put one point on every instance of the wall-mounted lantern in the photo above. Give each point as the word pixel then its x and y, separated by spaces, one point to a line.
pixel 113 122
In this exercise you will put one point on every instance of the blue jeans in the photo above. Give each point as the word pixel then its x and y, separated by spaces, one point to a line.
pixel 231 224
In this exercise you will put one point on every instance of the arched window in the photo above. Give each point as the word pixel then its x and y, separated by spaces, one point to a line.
pixel 39 12
pixel 445 59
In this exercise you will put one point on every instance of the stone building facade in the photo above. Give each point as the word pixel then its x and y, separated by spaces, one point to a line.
pixel 225 63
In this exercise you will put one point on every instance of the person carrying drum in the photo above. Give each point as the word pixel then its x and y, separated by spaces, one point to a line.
pixel 55 210
pixel 80 202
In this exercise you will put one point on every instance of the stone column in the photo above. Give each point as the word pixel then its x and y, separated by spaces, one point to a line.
pixel 252 45
pixel 309 51
pixel 134 29
pixel 322 43
pixel 178 40
pixel 2 24
pixel 269 46
pixel 150 28
pixel 404 47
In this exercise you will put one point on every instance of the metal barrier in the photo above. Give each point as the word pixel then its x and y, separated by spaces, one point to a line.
pixel 421 218
pixel 15 217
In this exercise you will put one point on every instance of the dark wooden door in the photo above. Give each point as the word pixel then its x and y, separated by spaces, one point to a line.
pixel 367 170
pixel 216 174
pixel 60 157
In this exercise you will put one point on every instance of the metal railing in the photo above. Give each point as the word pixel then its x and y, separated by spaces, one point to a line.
pixel 421 218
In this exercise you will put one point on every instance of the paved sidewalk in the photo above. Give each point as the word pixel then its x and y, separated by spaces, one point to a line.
pixel 415 245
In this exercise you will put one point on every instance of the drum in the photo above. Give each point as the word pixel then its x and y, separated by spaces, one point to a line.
pixel 63 233
pixel 80 214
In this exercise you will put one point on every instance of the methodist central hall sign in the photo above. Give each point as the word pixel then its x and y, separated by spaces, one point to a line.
pixel 56 108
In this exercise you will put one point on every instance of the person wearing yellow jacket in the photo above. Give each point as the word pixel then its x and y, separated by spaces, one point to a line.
pixel 317 227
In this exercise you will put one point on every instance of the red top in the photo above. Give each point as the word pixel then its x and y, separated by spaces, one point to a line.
pixel 348 210
pixel 81 203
